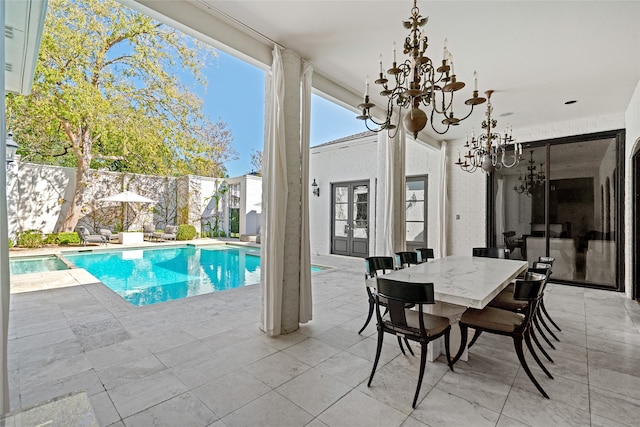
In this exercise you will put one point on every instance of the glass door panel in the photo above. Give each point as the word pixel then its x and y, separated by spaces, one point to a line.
pixel 350 219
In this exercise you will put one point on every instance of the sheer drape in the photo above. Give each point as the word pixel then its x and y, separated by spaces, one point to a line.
pixel 500 220
pixel 443 205
pixel 394 192
pixel 306 302
pixel 274 200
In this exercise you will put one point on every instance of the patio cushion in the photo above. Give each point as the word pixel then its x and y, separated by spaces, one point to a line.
pixel 493 319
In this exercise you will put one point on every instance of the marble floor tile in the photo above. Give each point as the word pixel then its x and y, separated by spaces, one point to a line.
pixel 137 396
pixel 356 409
pixel 103 408
pixel 270 409
pixel 276 369
pixel 339 337
pixel 535 410
pixel 442 409
pixel 230 392
pixel 183 410
pixel 559 388
pixel 196 372
pixel 87 381
pixel 613 406
pixel 614 362
pixel 349 368
pixel 314 391
pixel 116 354
pixel 476 388
pixel 117 375
pixel 247 351
pixel 311 351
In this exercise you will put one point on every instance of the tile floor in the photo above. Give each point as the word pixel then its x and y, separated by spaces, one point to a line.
pixel 202 361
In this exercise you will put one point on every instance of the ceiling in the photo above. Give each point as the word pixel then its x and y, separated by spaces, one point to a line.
pixel 536 55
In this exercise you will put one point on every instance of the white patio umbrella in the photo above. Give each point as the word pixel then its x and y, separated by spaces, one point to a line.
pixel 127 197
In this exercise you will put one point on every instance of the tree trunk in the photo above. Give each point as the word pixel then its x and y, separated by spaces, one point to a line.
pixel 82 143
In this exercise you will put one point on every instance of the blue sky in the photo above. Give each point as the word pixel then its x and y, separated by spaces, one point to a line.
pixel 235 95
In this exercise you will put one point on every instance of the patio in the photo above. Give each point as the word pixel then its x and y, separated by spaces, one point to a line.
pixel 202 361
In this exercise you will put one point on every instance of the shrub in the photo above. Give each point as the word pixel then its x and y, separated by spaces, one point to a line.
pixel 30 239
pixel 68 238
pixel 219 233
pixel 51 239
pixel 186 232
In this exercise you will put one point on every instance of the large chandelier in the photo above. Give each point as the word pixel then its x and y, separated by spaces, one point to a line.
pixel 417 82
pixel 533 182
pixel 490 151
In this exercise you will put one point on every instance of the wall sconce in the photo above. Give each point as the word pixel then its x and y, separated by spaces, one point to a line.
pixel 12 147
pixel 315 188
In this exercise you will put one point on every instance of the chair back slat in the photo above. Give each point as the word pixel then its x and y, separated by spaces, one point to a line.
pixel 530 288
pixel 424 254
pixel 415 293
pixel 406 258
pixel 500 253
pixel 376 264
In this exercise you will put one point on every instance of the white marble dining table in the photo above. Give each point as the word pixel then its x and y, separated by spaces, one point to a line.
pixel 459 282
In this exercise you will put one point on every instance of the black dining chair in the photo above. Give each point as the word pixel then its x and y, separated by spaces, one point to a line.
pixel 505 300
pixel 414 325
pixel 424 254
pixel 501 253
pixel 406 259
pixel 548 260
pixel 504 322
pixel 374 266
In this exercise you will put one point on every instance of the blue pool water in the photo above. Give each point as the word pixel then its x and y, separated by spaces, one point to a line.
pixel 148 276
pixel 36 265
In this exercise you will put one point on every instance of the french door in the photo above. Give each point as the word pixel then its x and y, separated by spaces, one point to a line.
pixel 350 219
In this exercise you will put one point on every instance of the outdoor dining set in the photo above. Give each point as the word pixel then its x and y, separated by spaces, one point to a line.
pixel 434 303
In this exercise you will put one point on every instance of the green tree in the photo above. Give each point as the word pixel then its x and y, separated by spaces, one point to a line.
pixel 107 94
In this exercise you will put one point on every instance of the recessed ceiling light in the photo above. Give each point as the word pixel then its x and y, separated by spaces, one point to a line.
pixel 573 101
pixel 506 114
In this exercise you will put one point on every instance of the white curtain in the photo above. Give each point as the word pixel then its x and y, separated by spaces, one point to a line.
pixel 306 301
pixel 274 200
pixel 443 205
pixel 500 221
pixel 394 192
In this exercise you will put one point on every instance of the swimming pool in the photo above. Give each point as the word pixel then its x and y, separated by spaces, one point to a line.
pixel 148 276
pixel 25 265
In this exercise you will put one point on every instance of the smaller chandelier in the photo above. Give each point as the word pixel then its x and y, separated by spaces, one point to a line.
pixel 533 182
pixel 417 81
pixel 490 151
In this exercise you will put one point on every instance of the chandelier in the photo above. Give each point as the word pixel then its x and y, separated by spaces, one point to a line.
pixel 489 151
pixel 417 82
pixel 533 182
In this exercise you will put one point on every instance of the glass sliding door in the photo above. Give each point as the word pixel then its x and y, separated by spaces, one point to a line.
pixel 416 212
pixel 563 201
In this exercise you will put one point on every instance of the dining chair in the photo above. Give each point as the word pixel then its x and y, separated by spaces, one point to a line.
pixel 501 253
pixel 549 261
pixel 504 322
pixel 411 324
pixel 406 259
pixel 373 266
pixel 505 300
pixel 424 254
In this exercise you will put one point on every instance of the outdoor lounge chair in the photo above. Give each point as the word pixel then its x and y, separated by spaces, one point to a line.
pixel 148 231
pixel 108 235
pixel 170 232
pixel 86 237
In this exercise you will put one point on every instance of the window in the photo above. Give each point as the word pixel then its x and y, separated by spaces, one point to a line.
pixel 416 212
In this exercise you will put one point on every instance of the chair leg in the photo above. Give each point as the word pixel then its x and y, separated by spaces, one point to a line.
pixel 378 351
pixel 447 339
pixel 463 344
pixel 371 306
pixel 527 340
pixel 406 341
pixel 423 361
pixel 535 339
pixel 400 344
pixel 537 325
pixel 475 337
pixel 517 341
pixel 546 313
pixel 541 319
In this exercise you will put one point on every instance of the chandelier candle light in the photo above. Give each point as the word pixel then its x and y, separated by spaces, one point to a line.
pixel 489 151
pixel 416 82
pixel 533 181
